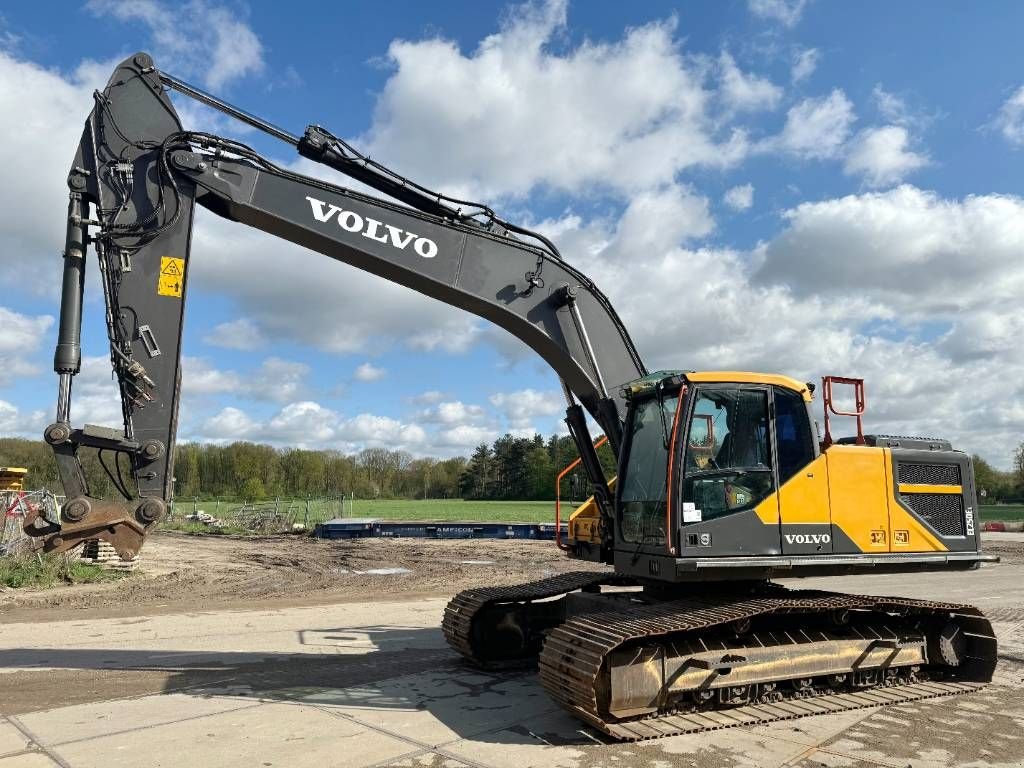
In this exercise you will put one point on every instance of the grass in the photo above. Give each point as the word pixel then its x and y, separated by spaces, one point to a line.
pixel 385 509
pixel 45 571
pixel 1002 512
pixel 186 526
pixel 456 509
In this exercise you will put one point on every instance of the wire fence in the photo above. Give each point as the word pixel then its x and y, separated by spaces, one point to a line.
pixel 267 516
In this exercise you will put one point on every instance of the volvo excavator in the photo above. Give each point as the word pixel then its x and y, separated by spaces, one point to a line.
pixel 722 484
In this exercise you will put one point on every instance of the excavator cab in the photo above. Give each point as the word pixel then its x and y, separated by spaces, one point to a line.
pixel 722 476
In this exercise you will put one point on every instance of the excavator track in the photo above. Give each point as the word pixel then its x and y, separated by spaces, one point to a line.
pixel 577 651
pixel 465 615
pixel 575 658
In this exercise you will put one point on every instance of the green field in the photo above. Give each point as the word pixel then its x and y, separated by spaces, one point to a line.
pixel 457 509
pixel 1002 512
pixel 319 510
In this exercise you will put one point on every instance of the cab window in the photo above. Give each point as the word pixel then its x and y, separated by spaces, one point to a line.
pixel 728 455
pixel 642 490
pixel 793 439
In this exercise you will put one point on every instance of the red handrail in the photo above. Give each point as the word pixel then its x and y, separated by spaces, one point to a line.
pixel 558 494
pixel 859 405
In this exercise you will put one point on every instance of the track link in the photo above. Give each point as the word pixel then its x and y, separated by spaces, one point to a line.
pixel 575 653
pixel 464 611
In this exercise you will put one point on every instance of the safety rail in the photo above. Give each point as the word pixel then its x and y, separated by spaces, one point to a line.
pixel 558 494
pixel 859 406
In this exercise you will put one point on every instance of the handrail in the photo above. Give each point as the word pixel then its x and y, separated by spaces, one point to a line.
pixel 558 494
pixel 860 406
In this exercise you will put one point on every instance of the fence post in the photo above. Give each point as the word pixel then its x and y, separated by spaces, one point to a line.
pixel 218 507
pixel 305 522
pixel 195 504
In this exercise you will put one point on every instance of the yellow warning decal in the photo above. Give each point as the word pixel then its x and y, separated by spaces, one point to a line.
pixel 172 276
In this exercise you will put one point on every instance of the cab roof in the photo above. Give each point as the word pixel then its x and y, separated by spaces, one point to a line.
pixel 648 382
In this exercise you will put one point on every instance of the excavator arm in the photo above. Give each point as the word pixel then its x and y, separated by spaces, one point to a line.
pixel 139 174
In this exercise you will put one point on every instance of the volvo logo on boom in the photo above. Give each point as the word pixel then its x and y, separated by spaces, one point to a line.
pixel 372 229
pixel 807 538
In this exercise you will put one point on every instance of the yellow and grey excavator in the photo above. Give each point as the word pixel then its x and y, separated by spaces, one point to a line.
pixel 722 483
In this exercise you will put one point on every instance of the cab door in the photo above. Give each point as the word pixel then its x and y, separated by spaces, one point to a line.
pixel 729 504
pixel 806 523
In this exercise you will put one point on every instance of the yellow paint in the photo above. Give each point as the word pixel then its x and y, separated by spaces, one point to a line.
pixel 745 377
pixel 12 478
pixel 859 494
pixel 918 537
pixel 584 522
pixel 768 510
pixel 172 277
pixel 804 497
pixel 925 488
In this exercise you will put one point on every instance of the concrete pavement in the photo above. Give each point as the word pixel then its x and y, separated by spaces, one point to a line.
pixel 374 685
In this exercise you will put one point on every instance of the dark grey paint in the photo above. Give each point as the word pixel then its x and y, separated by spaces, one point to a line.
pixel 474 269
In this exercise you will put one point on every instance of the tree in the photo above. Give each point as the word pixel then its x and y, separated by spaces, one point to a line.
pixel 476 480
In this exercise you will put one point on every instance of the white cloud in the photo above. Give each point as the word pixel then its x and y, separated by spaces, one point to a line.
pixel 804 63
pixel 917 252
pixel 521 408
pixel 518 112
pixel 241 334
pixel 742 91
pixel 275 380
pixel 95 398
pixel 369 372
pixel 1010 121
pixel 228 425
pixel 20 337
pixel 381 431
pixel 681 215
pixel 41 115
pixel 196 38
pixel 850 286
pixel 739 198
pixel 15 423
pixel 429 397
pixel 454 412
pixel 882 156
pixel 816 128
pixel 785 12
pixel 891 107
pixel 465 437
pixel 307 424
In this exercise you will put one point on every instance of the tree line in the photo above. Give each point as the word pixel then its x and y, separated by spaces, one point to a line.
pixel 511 468
pixel 997 486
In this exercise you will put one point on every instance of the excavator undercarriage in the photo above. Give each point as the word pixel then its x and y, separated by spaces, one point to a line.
pixel 639 663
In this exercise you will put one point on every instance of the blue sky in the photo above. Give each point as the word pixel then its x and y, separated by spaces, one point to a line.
pixel 806 187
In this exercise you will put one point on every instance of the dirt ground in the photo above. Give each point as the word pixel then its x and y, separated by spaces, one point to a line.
pixel 180 572
pixel 201 575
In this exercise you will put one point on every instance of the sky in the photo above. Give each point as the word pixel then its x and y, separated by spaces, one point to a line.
pixel 796 186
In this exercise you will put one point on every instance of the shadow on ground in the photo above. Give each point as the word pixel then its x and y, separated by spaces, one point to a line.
pixel 365 672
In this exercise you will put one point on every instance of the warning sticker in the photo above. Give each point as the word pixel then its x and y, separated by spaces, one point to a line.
pixel 172 276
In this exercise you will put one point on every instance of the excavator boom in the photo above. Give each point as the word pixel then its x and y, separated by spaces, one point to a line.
pixel 142 174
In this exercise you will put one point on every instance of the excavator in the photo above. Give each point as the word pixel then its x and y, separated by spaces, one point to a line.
pixel 722 484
